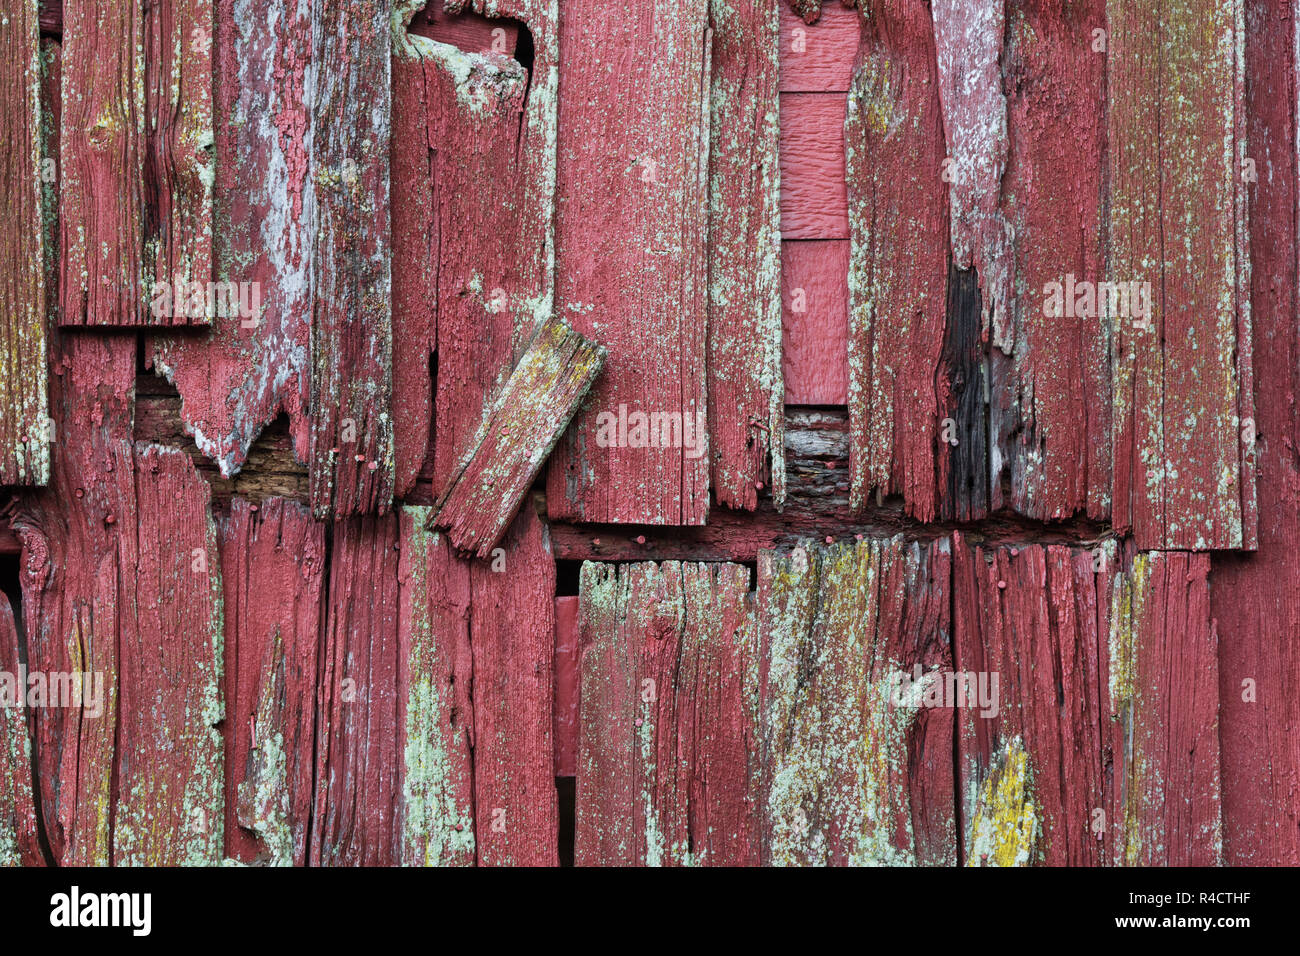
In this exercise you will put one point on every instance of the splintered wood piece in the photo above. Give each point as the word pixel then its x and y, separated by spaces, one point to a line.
pixel 170 769
pixel 136 166
pixel 746 393
pixel 631 260
pixel 667 771
pixel 255 362
pixel 272 570
pixel 858 767
pixel 1183 447
pixel 474 156
pixel 351 463
pixel 968 49
pixel 24 421
pixel 1163 694
pixel 898 264
pixel 1049 408
pixel 525 422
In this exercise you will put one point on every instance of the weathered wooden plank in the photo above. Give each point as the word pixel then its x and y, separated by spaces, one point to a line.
pixel 512 628
pixel 436 707
pixel 1183 476
pixel 968 48
pixel 858 763
pixel 1049 409
pixel 272 570
pixel 24 432
pixel 898 264
pixel 358 779
pixel 69 573
pixel 349 92
pixel 77 600
pixel 1033 740
pixel 1255 599
pixel 631 263
pixel 169 771
pixel 518 433
pixel 818 58
pixel 255 362
pixel 475 152
pixel 815 296
pixel 667 739
pixel 19 841
pixel 1163 694
pixel 814 199
pixel 746 395
pixel 136 163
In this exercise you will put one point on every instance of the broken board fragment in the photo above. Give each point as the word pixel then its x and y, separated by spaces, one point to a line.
pixel 522 427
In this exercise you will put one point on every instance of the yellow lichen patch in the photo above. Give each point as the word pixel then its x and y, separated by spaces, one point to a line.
pixel 1005 825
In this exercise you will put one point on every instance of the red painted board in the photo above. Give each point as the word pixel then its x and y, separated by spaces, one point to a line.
pixel 1050 409
pixel 1163 696
pixel 746 395
pixel 815 315
pixel 631 260
pixel 136 166
pixel 351 455
pixel 1029 627
pixel 255 363
pixel 24 432
pixel 474 149
pixel 1255 598
pixel 667 738
pixel 19 839
pixel 968 47
pixel 272 569
pixel 1183 449
pixel 857 764
pixel 898 265
pixel 170 771
pixel 814 199
pixel 818 58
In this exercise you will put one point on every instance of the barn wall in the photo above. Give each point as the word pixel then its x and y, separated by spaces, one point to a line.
pixel 728 433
